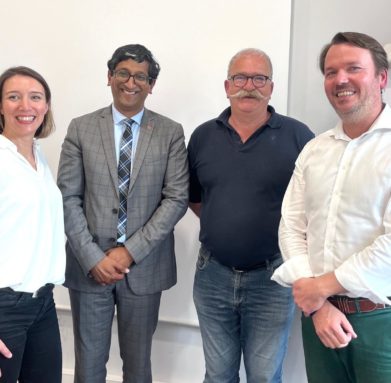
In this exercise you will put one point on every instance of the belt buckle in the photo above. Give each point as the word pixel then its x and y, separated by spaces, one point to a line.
pixel 342 304
pixel 346 308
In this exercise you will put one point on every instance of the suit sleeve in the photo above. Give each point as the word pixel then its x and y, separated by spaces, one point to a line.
pixel 71 181
pixel 173 205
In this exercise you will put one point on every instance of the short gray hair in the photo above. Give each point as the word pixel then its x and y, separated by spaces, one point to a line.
pixel 252 52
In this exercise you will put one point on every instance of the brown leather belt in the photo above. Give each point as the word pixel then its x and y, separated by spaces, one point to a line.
pixel 355 305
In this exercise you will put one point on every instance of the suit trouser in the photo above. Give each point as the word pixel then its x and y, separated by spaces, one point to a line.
pixel 137 317
pixel 366 359
pixel 29 328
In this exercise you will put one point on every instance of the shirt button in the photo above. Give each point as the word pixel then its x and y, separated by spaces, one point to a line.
pixel 115 211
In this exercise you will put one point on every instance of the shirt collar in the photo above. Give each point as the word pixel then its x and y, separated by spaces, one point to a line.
pixel 6 143
pixel 383 121
pixel 273 122
pixel 118 117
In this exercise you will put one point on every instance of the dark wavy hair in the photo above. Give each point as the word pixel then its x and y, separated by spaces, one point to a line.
pixel 137 53
pixel 359 40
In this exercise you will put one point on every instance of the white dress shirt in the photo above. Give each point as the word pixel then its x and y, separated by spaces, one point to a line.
pixel 119 128
pixel 32 242
pixel 336 214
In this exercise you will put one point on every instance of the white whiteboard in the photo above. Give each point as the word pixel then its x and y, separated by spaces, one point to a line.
pixel 69 43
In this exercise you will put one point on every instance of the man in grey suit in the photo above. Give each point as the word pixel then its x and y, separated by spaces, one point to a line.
pixel 107 267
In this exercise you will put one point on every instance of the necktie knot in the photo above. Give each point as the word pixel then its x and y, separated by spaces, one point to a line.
pixel 128 122
pixel 128 129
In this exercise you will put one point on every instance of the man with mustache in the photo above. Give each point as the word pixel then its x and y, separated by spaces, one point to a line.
pixel 335 232
pixel 240 166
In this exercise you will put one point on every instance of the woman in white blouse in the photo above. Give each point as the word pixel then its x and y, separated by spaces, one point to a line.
pixel 32 257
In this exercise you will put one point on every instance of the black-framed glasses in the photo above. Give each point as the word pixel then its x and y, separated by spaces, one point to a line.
pixel 240 80
pixel 123 75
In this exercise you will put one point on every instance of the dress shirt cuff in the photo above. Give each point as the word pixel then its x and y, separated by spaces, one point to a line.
pixel 356 286
pixel 292 270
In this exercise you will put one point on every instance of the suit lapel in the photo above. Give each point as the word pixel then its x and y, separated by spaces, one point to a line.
pixel 106 127
pixel 146 129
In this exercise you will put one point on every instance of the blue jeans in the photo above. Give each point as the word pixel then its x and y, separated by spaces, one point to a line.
pixel 29 328
pixel 241 312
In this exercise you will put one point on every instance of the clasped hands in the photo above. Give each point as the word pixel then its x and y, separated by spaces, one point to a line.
pixel 113 266
pixel 331 325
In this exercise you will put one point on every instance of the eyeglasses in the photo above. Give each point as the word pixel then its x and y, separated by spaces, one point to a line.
pixel 124 76
pixel 240 80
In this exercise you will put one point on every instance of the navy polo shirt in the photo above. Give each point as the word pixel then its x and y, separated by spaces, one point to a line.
pixel 241 185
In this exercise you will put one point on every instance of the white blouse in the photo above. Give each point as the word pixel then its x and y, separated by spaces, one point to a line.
pixel 32 251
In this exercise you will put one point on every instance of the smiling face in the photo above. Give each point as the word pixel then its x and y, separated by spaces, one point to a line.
pixel 23 106
pixel 351 83
pixel 129 97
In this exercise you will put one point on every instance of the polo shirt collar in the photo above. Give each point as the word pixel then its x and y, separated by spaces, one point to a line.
pixel 273 122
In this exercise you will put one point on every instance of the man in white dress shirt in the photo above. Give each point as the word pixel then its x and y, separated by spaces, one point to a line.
pixel 335 231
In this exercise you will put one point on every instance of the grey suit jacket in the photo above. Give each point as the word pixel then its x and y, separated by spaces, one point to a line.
pixel 157 199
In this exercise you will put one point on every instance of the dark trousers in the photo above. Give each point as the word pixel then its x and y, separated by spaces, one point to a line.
pixel 366 359
pixel 29 328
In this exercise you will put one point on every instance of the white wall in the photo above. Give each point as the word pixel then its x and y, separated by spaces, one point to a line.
pixel 314 23
pixel 70 42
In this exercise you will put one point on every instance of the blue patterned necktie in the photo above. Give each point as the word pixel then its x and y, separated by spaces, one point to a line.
pixel 124 163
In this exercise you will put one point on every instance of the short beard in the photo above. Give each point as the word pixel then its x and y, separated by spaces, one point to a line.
pixel 357 113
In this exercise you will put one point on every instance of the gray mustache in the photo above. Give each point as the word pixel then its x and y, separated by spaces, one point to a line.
pixel 249 93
